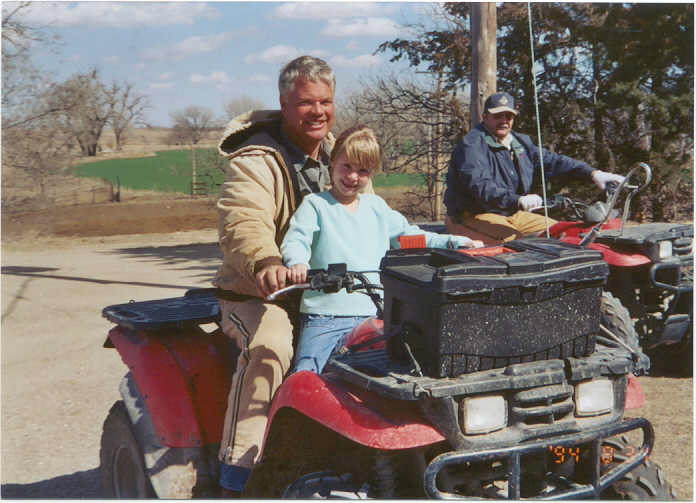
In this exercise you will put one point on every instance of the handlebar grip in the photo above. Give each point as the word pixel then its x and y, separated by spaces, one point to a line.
pixel 287 289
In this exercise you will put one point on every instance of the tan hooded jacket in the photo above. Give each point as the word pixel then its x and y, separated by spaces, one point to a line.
pixel 257 198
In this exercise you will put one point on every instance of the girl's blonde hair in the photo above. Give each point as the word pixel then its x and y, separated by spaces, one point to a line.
pixel 361 147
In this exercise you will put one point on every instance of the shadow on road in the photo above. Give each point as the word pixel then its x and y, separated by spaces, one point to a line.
pixel 176 254
pixel 79 485
pixel 204 257
pixel 37 272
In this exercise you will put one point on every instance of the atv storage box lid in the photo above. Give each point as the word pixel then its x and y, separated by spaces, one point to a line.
pixel 458 312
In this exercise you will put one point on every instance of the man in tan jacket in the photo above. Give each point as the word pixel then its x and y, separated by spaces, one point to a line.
pixel 275 159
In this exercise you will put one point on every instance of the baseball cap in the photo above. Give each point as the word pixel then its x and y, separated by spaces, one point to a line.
pixel 499 102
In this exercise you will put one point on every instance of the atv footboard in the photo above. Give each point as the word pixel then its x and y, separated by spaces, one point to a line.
pixel 571 445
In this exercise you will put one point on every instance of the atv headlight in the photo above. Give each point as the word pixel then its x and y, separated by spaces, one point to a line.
pixel 483 414
pixel 660 250
pixel 664 249
pixel 593 398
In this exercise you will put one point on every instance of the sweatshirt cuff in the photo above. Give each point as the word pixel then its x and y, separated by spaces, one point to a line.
pixel 265 262
pixel 588 170
pixel 516 201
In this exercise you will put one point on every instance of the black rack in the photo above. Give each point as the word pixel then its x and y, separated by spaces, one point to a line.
pixel 196 307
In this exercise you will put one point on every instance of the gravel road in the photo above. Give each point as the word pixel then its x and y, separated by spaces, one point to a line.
pixel 58 383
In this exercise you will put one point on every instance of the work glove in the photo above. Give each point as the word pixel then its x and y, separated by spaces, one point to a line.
pixel 601 178
pixel 463 242
pixel 529 202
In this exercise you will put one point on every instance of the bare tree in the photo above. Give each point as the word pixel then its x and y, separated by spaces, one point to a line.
pixel 35 144
pixel 88 107
pixel 241 105
pixel 23 85
pixel 193 123
pixel 128 109
pixel 417 127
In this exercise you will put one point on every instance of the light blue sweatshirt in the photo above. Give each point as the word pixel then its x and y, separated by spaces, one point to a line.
pixel 322 232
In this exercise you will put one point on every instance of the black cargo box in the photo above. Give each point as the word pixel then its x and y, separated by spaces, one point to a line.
pixel 460 313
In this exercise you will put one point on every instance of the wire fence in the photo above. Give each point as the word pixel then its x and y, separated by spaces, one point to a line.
pixel 26 196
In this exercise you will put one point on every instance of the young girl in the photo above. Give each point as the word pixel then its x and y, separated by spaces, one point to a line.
pixel 343 225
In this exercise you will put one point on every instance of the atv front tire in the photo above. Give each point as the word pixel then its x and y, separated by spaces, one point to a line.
pixel 122 467
pixel 645 482
pixel 616 319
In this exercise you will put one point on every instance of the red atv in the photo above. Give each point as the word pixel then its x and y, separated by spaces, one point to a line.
pixel 481 378
pixel 650 283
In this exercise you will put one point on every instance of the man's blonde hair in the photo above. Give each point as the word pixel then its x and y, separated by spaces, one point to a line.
pixel 361 147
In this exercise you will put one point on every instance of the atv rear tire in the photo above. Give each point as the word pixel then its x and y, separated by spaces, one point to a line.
pixel 122 467
pixel 645 482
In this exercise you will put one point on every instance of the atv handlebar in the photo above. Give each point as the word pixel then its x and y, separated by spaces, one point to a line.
pixel 333 279
pixel 329 280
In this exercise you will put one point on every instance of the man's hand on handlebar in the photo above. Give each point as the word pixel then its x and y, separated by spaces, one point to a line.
pixel 602 178
pixel 530 202
pixel 271 278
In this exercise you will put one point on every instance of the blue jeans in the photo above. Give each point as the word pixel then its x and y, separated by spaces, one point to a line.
pixel 320 336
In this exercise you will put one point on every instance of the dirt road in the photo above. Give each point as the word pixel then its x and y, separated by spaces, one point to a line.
pixel 58 382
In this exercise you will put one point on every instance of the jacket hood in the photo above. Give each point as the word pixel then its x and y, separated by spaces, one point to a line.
pixel 258 129
pixel 240 129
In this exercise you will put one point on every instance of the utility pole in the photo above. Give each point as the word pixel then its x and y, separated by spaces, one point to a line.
pixel 438 161
pixel 483 40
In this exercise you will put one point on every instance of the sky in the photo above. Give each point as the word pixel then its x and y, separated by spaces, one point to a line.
pixel 209 53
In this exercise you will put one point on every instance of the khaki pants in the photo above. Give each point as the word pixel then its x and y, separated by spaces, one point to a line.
pixel 494 229
pixel 263 333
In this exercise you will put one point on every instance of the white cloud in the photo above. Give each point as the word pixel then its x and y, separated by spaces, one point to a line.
pixel 319 53
pixel 260 78
pixel 364 27
pixel 215 77
pixel 363 61
pixel 275 54
pixel 161 85
pixel 352 45
pixel 281 54
pixel 117 14
pixel 112 60
pixel 166 76
pixel 187 47
pixel 334 10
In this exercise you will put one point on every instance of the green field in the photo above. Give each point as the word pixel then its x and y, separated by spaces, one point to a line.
pixel 170 171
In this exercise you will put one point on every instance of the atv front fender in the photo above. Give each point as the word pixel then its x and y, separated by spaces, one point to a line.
pixel 361 416
pixel 613 257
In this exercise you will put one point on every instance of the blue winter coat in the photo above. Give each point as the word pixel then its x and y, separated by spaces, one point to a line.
pixel 482 177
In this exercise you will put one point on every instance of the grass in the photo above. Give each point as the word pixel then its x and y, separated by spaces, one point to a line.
pixel 170 171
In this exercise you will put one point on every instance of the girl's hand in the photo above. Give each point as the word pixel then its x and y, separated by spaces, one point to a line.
pixel 464 242
pixel 298 273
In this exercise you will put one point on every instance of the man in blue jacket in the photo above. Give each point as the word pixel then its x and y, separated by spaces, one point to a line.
pixel 492 172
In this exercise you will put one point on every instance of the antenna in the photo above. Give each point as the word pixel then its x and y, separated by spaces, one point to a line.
pixel 538 121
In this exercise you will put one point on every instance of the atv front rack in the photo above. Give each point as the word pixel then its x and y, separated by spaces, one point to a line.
pixel 373 370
